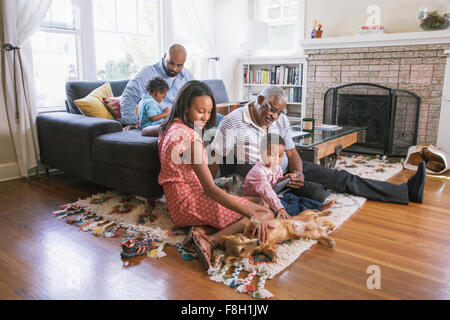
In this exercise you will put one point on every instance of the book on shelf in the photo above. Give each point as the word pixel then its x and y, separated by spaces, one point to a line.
pixel 327 127
pixel 294 94
pixel 273 74
pixel 294 117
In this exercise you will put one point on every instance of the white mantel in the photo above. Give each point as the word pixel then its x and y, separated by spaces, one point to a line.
pixel 375 40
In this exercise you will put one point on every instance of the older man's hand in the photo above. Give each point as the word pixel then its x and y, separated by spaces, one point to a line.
pixel 297 180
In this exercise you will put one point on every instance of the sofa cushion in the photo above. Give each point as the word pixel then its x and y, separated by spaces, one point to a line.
pixel 65 140
pixel 218 88
pixel 92 105
pixel 127 149
pixel 79 89
pixel 113 106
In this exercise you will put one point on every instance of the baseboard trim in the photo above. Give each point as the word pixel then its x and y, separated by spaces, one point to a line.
pixel 9 171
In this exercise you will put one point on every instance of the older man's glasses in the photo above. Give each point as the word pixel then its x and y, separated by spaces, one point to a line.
pixel 274 110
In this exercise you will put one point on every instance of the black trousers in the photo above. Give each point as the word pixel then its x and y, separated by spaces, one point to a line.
pixel 319 180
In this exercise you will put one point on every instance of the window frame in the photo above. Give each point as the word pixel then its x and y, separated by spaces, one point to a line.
pixel 84 32
pixel 258 14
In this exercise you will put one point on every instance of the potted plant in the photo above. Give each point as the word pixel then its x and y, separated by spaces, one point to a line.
pixel 432 20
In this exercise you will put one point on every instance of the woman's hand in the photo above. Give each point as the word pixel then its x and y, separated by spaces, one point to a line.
pixel 262 231
pixel 282 214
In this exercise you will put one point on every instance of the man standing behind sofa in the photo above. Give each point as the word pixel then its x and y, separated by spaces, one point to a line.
pixel 170 68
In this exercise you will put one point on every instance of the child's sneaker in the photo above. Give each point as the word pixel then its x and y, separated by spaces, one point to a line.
pixel 132 247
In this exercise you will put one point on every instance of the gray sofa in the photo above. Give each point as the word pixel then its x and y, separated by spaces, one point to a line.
pixel 97 150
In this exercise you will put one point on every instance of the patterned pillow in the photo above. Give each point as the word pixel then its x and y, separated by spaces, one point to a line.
pixel 113 106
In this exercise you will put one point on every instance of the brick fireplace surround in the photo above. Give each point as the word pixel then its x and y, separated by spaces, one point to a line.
pixel 414 62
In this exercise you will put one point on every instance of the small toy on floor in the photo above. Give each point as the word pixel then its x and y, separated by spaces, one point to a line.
pixel 132 247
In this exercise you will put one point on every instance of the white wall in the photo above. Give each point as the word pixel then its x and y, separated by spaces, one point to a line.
pixel 8 162
pixel 230 18
pixel 9 168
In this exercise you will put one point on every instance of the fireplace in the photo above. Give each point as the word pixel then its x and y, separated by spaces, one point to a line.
pixel 390 115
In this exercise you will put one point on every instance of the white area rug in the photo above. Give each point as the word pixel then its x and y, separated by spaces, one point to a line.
pixel 369 167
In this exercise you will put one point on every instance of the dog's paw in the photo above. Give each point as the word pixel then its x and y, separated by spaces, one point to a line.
pixel 329 243
pixel 332 243
pixel 325 213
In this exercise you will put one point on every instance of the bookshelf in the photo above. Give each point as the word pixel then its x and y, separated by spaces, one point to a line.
pixel 287 72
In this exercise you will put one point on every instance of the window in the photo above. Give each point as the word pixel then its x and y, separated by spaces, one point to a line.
pixel 55 54
pixel 286 24
pixel 126 36
pixel 90 40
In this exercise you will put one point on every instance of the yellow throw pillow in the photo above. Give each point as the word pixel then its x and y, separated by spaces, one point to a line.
pixel 92 105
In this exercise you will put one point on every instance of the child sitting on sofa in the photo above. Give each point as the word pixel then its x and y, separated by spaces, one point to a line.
pixel 266 173
pixel 149 113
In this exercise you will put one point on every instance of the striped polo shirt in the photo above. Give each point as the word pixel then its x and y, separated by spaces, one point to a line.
pixel 237 132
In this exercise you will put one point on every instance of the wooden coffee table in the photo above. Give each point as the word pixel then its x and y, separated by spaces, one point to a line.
pixel 325 146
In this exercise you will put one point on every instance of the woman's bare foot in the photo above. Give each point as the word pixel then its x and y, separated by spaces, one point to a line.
pixel 328 205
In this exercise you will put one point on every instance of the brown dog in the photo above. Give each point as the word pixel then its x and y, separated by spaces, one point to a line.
pixel 310 224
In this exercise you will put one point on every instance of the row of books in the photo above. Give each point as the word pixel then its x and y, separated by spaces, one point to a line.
pixel 294 94
pixel 280 75
pixel 256 76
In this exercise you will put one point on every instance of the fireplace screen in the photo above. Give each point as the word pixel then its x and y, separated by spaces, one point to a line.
pixel 390 115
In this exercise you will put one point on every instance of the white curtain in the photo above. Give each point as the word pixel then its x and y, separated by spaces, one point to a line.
pixel 190 22
pixel 20 18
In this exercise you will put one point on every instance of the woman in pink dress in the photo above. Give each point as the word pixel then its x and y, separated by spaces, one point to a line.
pixel 191 195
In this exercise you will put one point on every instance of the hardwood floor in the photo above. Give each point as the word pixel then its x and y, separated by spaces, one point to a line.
pixel 44 258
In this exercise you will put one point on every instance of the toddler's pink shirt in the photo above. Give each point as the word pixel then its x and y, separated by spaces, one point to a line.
pixel 260 181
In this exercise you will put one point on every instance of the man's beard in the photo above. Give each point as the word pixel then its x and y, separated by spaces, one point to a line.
pixel 169 73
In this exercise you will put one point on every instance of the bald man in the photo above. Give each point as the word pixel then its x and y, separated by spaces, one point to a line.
pixel 170 68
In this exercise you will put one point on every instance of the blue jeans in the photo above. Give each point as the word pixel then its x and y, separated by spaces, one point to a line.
pixel 294 204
